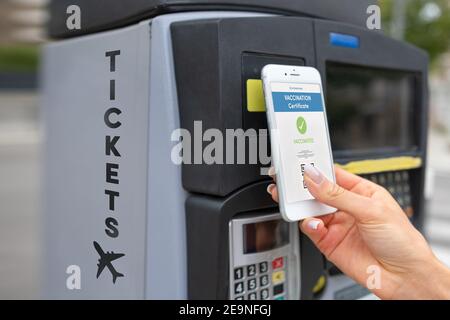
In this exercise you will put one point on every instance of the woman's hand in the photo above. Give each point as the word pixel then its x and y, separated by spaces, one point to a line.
pixel 371 232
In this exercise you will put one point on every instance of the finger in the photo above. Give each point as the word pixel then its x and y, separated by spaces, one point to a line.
pixel 314 228
pixel 354 183
pixel 336 196
pixel 272 173
pixel 327 218
pixel 273 191
pixel 346 179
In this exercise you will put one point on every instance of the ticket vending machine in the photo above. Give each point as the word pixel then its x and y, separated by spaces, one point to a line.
pixel 131 221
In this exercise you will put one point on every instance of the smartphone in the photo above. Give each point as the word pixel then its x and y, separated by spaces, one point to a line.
pixel 298 134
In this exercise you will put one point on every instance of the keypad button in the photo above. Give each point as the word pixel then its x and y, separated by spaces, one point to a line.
pixel 390 177
pixel 278 277
pixel 407 200
pixel 251 284
pixel 405 176
pixel 278 289
pixel 374 179
pixel 406 188
pixel 252 296
pixel 277 263
pixel 264 295
pixel 263 267
pixel 238 287
pixel 251 270
pixel 264 281
pixel 239 298
pixel 238 273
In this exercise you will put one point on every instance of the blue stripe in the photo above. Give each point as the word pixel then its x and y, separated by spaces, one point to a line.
pixel 344 40
pixel 297 102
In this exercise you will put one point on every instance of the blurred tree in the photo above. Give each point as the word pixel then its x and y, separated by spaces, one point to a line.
pixel 426 24
pixel 19 58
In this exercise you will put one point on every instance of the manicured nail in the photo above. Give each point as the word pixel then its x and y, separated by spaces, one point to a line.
pixel 313 224
pixel 313 174
pixel 270 188
pixel 271 172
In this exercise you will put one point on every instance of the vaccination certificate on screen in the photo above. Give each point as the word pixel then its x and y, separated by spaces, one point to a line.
pixel 302 133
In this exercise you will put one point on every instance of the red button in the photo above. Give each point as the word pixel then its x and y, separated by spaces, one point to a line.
pixel 277 263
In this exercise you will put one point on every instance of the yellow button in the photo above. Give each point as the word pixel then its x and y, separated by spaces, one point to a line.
pixel 277 277
pixel 255 96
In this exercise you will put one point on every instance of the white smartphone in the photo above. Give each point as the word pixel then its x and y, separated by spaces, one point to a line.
pixel 298 134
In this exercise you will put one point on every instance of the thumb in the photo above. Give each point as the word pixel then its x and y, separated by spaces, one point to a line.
pixel 336 196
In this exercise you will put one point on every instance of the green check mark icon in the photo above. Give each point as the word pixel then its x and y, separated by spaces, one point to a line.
pixel 301 125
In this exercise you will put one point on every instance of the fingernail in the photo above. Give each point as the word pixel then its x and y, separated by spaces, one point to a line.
pixel 270 188
pixel 313 224
pixel 271 171
pixel 313 173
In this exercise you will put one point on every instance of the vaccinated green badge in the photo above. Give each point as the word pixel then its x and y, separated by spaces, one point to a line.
pixel 301 125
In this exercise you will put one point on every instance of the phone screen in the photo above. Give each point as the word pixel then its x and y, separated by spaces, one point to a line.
pixel 302 135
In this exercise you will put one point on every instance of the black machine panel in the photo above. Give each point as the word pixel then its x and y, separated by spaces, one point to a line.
pixel 230 51
pixel 102 15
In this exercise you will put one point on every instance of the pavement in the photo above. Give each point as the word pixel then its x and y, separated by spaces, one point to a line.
pixel 20 187
pixel 437 226
pixel 20 248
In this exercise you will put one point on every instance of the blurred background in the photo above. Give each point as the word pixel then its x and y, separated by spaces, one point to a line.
pixel 424 23
pixel 22 29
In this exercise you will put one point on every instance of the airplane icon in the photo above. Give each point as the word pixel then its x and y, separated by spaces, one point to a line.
pixel 106 260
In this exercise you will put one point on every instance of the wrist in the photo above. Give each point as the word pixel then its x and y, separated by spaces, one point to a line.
pixel 431 282
pixel 439 281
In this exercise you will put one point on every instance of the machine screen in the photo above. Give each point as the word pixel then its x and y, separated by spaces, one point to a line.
pixel 267 235
pixel 370 108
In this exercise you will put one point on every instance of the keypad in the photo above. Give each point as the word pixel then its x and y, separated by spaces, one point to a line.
pixel 398 184
pixel 262 281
